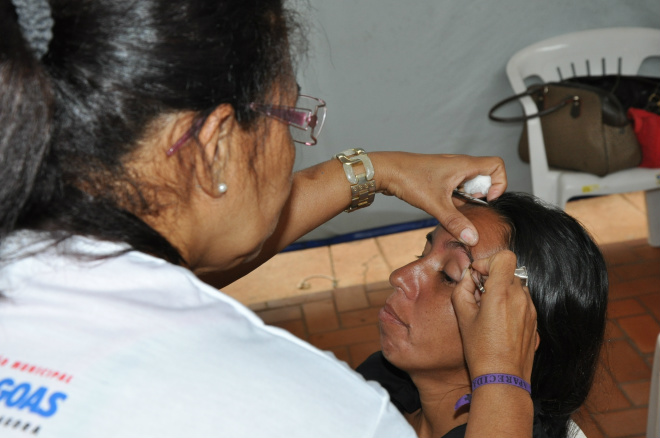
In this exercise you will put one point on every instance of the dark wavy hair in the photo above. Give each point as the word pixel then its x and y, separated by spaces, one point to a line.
pixel 113 66
pixel 569 287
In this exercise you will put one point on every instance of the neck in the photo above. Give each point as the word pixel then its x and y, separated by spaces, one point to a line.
pixel 439 392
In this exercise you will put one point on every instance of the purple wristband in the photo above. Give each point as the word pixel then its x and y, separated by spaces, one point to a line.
pixel 507 379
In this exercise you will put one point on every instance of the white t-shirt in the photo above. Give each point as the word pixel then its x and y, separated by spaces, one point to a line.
pixel 133 346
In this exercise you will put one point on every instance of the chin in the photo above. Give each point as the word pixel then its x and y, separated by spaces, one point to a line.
pixel 390 349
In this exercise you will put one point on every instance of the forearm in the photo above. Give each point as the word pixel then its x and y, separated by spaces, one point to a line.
pixel 321 192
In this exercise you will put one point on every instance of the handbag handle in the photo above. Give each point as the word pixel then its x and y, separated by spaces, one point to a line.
pixel 531 90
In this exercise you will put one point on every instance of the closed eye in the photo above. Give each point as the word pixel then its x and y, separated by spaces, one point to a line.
pixel 447 279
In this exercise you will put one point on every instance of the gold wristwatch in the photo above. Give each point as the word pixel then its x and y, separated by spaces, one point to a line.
pixel 363 186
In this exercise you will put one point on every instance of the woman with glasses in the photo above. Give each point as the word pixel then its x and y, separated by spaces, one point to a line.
pixel 144 141
pixel 423 364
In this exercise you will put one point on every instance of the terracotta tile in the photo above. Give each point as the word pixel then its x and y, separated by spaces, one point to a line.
pixel 622 423
pixel 320 316
pixel 641 269
pixel 637 392
pixel 622 245
pixel 626 307
pixel 635 287
pixel 401 248
pixel 351 298
pixel 605 395
pixel 299 299
pixel 648 358
pixel 620 253
pixel 643 330
pixel 350 336
pixel 359 262
pixel 647 252
pixel 583 419
pixel 296 328
pixel 378 285
pixel 639 242
pixel 342 354
pixel 272 316
pixel 276 279
pixel 636 199
pixel 599 216
pixel 317 282
pixel 612 331
pixel 356 318
pixel 256 307
pixel 652 302
pixel 612 279
pixel 377 298
pixel 625 363
pixel 359 352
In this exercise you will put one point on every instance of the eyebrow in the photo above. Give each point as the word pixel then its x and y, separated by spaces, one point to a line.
pixel 453 244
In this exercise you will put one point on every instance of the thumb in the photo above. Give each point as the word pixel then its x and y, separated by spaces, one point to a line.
pixel 464 301
pixel 457 224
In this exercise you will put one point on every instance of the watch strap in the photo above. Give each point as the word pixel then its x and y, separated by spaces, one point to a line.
pixel 363 186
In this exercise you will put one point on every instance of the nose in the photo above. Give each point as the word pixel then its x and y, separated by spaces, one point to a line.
pixel 406 280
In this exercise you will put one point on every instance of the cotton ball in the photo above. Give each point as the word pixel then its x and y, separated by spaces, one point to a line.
pixel 480 184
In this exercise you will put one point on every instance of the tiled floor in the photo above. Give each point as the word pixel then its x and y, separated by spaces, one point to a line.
pixel 332 295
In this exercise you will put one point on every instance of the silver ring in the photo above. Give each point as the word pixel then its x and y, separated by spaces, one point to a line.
pixel 521 273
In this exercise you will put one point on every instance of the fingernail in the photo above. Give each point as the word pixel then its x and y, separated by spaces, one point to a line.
pixel 468 236
pixel 465 271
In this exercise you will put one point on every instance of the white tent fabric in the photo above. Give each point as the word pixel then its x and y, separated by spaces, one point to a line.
pixel 421 76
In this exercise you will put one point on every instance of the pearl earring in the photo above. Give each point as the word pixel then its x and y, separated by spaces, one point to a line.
pixel 222 188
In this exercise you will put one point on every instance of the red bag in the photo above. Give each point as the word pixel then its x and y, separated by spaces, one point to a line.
pixel 647 130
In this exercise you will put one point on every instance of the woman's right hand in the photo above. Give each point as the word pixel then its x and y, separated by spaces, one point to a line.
pixel 427 181
pixel 498 328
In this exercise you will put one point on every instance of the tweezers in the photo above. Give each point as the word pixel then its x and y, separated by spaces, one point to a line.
pixel 466 197
pixel 520 272
pixel 478 281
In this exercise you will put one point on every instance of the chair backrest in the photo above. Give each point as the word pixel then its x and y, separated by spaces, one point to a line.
pixel 617 50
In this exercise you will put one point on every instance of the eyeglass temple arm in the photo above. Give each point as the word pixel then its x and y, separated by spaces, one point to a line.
pixel 298 117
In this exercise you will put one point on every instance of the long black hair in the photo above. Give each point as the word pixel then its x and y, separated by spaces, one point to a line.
pixel 69 119
pixel 569 286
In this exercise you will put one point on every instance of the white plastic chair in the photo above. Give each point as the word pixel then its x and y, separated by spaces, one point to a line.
pixel 653 423
pixel 588 53
pixel 574 430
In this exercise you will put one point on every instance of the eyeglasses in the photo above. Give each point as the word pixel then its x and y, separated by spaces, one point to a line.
pixel 305 120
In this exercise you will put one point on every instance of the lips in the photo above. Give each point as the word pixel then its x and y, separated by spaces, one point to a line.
pixel 388 315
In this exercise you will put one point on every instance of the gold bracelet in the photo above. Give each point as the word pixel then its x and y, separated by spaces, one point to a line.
pixel 363 186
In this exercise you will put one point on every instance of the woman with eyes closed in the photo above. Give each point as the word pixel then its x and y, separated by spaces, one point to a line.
pixel 423 364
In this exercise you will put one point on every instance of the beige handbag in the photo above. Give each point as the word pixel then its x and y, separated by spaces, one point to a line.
pixel 584 128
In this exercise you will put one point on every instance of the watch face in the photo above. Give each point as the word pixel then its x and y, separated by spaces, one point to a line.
pixel 350 157
pixel 351 152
